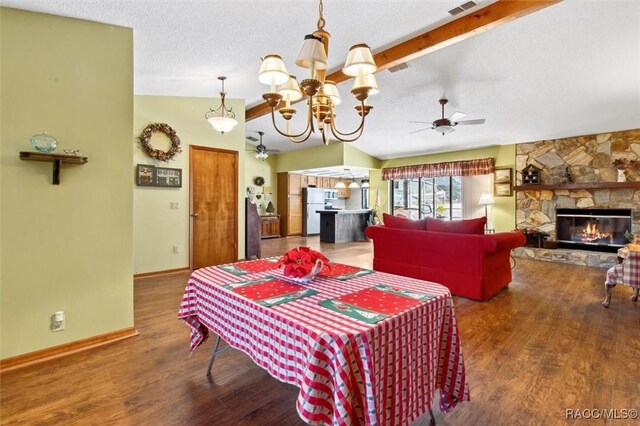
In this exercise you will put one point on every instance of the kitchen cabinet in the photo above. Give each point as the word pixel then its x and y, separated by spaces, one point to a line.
pixel 344 192
pixel 295 184
pixel 311 181
pixel 290 203
pixel 304 181
pixel 270 226
pixel 326 182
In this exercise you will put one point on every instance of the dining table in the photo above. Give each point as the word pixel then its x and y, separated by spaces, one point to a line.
pixel 363 347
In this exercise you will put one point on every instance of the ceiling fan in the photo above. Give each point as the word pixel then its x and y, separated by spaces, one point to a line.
pixel 262 153
pixel 446 125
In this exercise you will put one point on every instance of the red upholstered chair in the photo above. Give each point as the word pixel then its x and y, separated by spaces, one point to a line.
pixel 627 273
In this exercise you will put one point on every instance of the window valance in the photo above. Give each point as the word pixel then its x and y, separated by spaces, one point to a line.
pixel 483 166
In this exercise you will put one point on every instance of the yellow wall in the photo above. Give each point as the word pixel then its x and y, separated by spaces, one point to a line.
pixel 503 210
pixel 266 169
pixel 310 158
pixel 355 158
pixel 66 247
pixel 157 227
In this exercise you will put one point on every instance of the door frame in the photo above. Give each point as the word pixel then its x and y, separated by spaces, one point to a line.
pixel 193 148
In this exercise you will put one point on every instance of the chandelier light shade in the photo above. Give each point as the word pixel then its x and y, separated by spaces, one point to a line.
pixel 367 82
pixel 222 119
pixel 340 185
pixel 312 54
pixel 322 95
pixel 290 90
pixel 365 183
pixel 331 90
pixel 273 71
pixel 359 61
pixel 353 184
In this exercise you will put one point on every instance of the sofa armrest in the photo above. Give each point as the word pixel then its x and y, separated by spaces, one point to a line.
pixel 509 240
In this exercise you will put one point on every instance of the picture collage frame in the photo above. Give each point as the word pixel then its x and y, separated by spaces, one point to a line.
pixel 165 177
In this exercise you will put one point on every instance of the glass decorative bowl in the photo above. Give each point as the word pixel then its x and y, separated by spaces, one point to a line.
pixel 43 142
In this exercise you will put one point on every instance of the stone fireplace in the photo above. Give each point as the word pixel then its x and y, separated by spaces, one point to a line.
pixel 579 173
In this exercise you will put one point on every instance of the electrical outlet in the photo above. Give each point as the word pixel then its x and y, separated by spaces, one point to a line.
pixel 176 249
pixel 58 322
pixel 175 205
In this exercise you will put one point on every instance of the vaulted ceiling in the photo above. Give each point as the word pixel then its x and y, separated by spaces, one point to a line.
pixel 570 69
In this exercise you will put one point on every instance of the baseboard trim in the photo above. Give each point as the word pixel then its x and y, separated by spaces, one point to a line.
pixel 19 361
pixel 160 273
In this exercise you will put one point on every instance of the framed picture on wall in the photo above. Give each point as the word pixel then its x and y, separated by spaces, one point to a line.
pixel 502 182
pixel 145 174
pixel 168 177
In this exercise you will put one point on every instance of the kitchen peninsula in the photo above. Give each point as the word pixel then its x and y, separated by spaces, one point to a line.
pixel 341 226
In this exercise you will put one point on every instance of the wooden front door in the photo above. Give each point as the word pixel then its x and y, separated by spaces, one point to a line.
pixel 213 177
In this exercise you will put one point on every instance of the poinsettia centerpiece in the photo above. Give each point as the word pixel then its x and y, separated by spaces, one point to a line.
pixel 302 262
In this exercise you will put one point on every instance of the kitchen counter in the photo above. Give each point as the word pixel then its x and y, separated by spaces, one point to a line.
pixel 341 226
pixel 344 211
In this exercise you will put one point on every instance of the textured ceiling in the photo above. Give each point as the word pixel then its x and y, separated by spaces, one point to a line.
pixel 567 70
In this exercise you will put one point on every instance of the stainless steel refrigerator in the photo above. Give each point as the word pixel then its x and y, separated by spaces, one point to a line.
pixel 312 200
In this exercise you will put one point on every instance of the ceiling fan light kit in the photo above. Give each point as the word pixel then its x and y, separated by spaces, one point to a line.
pixel 222 119
pixel 262 153
pixel 446 125
pixel 322 94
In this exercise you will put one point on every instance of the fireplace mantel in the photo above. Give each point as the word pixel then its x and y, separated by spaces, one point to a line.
pixel 585 185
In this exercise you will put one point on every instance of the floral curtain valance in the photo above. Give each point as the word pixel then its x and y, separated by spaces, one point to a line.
pixel 483 166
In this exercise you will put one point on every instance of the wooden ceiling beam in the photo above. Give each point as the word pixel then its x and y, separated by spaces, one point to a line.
pixel 467 26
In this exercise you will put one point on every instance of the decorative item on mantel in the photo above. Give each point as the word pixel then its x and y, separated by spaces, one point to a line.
pixel 531 175
pixel 302 264
pixel 622 165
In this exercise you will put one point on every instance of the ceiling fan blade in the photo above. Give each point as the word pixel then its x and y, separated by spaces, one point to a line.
pixel 420 122
pixel 478 121
pixel 421 130
pixel 457 116
pixel 273 151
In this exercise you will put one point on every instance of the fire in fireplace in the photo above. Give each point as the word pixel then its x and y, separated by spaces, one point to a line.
pixel 592 229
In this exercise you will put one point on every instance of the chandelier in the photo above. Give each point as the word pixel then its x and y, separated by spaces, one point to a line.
pixel 322 94
pixel 222 119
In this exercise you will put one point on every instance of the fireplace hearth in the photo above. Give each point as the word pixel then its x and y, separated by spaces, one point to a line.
pixel 593 229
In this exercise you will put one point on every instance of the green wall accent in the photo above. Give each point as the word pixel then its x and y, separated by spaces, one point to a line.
pixel 356 158
pixel 310 158
pixel 69 246
pixel 504 208
pixel 157 227
pixel 265 168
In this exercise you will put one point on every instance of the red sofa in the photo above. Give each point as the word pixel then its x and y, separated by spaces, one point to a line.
pixel 470 265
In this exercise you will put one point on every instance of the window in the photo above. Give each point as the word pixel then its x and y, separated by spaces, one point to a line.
pixel 439 197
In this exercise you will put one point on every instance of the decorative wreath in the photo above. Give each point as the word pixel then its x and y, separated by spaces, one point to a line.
pixel 145 138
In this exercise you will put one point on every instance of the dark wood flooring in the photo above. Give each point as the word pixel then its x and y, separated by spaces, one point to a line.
pixel 541 347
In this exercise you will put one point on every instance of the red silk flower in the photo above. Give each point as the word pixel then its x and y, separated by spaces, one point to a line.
pixel 299 262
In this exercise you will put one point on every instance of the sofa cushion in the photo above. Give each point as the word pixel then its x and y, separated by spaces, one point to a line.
pixel 401 222
pixel 467 226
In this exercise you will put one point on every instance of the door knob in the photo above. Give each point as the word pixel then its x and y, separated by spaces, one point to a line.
pixel 194 215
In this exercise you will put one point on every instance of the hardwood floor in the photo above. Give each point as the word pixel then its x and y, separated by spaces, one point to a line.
pixel 541 347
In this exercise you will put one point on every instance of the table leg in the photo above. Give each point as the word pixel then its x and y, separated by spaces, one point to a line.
pixel 432 422
pixel 215 353
pixel 607 297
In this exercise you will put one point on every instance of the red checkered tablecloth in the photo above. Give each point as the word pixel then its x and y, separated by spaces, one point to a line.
pixel 348 372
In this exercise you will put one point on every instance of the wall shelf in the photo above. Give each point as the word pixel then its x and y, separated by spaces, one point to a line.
pixel 56 159
pixel 585 185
